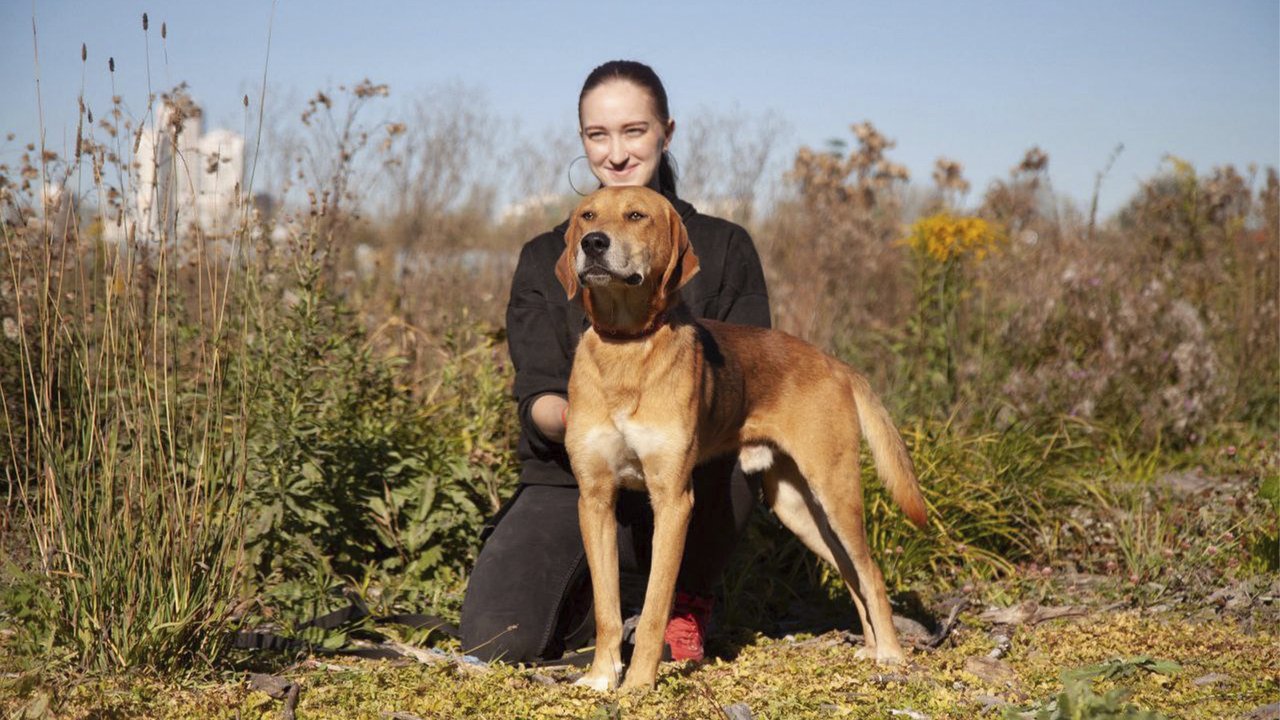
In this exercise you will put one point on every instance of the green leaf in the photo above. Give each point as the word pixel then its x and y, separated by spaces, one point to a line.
pixel 1270 491
pixel 334 641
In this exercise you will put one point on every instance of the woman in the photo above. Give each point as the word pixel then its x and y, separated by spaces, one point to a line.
pixel 529 596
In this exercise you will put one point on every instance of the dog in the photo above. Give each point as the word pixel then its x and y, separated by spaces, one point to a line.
pixel 653 392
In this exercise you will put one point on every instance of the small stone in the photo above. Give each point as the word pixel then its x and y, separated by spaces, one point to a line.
pixel 542 679
pixel 1210 679
pixel 910 628
pixel 738 711
pixel 1265 712
pixel 1187 482
pixel 992 670
pixel 990 701
pixel 276 687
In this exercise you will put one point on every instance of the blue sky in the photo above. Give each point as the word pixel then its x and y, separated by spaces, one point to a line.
pixel 978 82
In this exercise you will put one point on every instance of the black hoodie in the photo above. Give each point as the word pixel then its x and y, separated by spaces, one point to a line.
pixel 543 327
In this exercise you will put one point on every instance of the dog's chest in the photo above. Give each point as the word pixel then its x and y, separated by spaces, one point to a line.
pixel 625 443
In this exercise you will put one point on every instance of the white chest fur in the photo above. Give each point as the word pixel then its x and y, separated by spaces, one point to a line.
pixel 625 443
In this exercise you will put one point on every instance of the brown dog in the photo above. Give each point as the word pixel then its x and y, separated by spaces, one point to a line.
pixel 653 392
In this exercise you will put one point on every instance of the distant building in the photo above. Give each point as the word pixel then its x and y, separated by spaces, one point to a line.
pixel 534 206
pixel 195 180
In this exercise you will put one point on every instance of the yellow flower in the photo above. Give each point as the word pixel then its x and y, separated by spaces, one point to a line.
pixel 944 236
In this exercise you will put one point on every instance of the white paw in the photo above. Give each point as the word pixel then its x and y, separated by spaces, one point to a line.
pixel 890 658
pixel 598 683
pixel 601 680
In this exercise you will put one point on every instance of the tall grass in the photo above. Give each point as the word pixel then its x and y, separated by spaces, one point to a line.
pixel 125 459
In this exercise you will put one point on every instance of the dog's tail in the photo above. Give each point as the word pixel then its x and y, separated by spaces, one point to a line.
pixel 892 461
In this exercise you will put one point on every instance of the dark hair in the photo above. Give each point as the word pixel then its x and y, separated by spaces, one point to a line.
pixel 645 77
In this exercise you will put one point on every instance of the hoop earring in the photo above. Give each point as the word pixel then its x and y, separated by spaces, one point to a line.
pixel 569 175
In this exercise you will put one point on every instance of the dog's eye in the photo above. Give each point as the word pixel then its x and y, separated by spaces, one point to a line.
pixel 588 215
pixel 633 215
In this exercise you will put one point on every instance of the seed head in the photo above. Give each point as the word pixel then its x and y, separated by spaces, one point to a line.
pixel 111 64
pixel 164 30
pixel 84 52
pixel 144 22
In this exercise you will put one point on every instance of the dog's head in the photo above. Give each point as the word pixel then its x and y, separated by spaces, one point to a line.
pixel 628 243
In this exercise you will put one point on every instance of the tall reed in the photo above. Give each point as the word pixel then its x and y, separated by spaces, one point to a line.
pixel 126 460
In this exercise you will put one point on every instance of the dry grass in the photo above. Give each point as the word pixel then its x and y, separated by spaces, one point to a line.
pixel 1224 673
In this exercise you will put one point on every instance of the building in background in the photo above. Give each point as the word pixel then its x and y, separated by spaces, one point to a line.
pixel 191 181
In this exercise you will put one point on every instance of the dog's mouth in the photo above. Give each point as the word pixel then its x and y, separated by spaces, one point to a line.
pixel 597 275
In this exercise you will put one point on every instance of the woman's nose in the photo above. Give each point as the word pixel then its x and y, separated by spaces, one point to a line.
pixel 617 151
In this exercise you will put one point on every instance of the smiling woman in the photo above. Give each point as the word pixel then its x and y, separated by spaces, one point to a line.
pixel 529 596
pixel 627 127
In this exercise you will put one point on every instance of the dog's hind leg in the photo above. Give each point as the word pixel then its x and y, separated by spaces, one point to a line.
pixel 788 495
pixel 837 487
pixel 835 503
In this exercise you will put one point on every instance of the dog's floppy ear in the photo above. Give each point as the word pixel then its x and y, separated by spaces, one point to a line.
pixel 565 272
pixel 684 263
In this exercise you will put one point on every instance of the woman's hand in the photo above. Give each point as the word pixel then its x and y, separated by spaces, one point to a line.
pixel 549 413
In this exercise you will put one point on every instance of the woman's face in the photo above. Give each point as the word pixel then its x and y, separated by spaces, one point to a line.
pixel 622 135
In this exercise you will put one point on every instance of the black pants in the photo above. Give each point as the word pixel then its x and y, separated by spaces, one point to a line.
pixel 529 596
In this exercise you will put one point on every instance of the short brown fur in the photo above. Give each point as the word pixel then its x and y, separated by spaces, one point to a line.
pixel 653 392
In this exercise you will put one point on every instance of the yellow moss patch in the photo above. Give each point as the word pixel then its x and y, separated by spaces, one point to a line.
pixel 815 677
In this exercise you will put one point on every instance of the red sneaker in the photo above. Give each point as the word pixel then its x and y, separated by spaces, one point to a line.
pixel 688 626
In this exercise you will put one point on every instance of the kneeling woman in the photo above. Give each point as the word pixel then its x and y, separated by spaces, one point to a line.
pixel 529 596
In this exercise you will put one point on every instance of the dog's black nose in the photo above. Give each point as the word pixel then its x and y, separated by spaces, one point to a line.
pixel 595 243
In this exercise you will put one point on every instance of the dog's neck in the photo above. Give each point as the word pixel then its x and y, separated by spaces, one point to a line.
pixel 622 318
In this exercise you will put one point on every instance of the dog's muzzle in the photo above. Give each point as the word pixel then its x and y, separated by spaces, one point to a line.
pixel 596 268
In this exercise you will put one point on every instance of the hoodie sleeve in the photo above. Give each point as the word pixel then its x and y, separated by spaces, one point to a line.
pixel 536 337
pixel 744 299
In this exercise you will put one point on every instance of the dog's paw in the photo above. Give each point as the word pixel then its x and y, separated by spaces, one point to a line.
pixel 638 681
pixel 601 679
pixel 881 656
pixel 597 683
pixel 890 658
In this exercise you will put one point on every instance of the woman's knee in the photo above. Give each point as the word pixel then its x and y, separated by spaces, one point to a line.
pixel 519 581
pixel 491 636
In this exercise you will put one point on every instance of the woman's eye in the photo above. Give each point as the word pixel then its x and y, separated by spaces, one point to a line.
pixel 635 216
pixel 635 132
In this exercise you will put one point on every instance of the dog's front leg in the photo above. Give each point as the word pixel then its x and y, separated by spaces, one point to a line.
pixel 597 498
pixel 672 498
